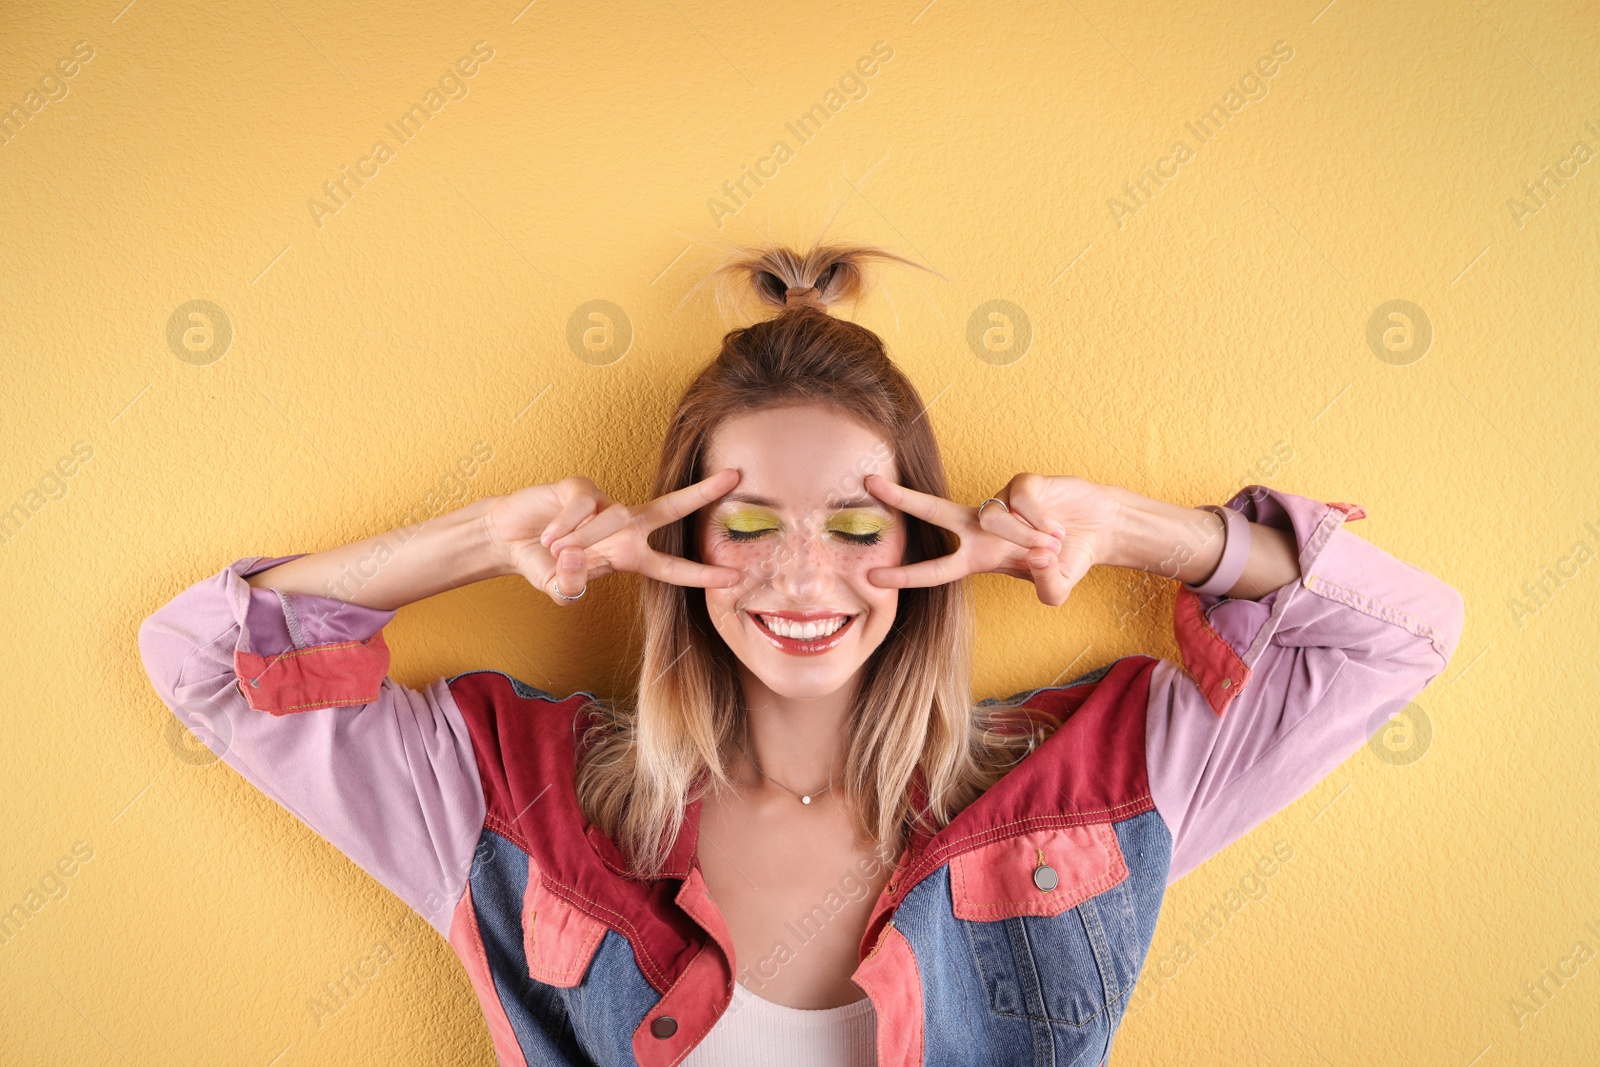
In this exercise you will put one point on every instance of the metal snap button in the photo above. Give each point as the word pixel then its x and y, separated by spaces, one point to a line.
pixel 1226 682
pixel 1045 877
pixel 665 1026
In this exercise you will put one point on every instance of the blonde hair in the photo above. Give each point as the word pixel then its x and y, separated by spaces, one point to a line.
pixel 645 758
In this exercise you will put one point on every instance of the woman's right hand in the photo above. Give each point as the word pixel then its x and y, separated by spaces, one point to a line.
pixel 607 536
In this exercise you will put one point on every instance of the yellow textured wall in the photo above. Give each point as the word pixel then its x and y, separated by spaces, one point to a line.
pixel 1216 329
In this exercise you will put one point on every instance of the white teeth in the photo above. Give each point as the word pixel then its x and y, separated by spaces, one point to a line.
pixel 804 631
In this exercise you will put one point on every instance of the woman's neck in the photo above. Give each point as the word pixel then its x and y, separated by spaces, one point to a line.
pixel 799 742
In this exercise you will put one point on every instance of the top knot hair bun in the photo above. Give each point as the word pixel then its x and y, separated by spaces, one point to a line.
pixel 803 283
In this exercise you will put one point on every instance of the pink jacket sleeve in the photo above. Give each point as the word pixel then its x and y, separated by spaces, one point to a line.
pixel 291 691
pixel 1273 694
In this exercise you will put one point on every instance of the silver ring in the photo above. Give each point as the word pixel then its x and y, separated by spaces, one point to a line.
pixel 564 596
pixel 991 500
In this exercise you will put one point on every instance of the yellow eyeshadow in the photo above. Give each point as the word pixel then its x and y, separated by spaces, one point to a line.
pixel 859 523
pixel 749 521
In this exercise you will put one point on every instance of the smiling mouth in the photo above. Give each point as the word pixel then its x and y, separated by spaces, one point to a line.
pixel 802 637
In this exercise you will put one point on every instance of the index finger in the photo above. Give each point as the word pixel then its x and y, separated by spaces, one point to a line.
pixel 935 509
pixel 929 572
pixel 675 570
pixel 675 505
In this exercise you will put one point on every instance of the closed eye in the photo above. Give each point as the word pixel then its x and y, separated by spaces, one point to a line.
pixel 871 538
pixel 855 527
pixel 859 527
pixel 747 535
pixel 748 524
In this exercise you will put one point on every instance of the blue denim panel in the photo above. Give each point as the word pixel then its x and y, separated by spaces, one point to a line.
pixel 960 1028
pixel 1052 968
pixel 1131 921
pixel 611 1003
pixel 1037 989
pixel 589 1025
pixel 537 1011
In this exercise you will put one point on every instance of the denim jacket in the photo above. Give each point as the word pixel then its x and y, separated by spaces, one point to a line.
pixel 1015 934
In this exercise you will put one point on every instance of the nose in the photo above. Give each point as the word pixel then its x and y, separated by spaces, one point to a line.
pixel 802 569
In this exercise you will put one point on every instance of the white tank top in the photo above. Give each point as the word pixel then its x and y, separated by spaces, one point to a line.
pixel 756 1031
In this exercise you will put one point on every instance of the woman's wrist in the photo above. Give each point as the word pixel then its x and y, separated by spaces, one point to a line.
pixel 476 552
pixel 1187 544
pixel 1168 539
pixel 401 566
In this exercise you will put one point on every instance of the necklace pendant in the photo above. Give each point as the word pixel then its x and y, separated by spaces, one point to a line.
pixel 805 800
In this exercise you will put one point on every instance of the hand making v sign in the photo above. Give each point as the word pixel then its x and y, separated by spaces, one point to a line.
pixel 564 535
pixel 1048 530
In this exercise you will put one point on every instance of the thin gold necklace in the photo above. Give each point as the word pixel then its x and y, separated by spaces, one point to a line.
pixel 805 798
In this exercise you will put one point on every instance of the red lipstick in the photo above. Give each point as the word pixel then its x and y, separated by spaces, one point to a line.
pixel 795 646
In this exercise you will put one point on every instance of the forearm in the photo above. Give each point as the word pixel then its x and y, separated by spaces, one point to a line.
pixel 396 568
pixel 1186 544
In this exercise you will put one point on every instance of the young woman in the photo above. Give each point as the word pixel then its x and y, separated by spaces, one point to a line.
pixel 797 840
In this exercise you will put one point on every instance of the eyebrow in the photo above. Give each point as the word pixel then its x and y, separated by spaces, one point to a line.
pixel 761 501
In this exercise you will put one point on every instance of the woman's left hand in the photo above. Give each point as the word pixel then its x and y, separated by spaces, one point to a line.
pixel 1056 528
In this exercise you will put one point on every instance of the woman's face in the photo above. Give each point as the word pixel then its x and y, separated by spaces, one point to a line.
pixel 804 533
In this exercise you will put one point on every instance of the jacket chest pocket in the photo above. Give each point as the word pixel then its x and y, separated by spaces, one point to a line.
pixel 1034 909
pixel 558 940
